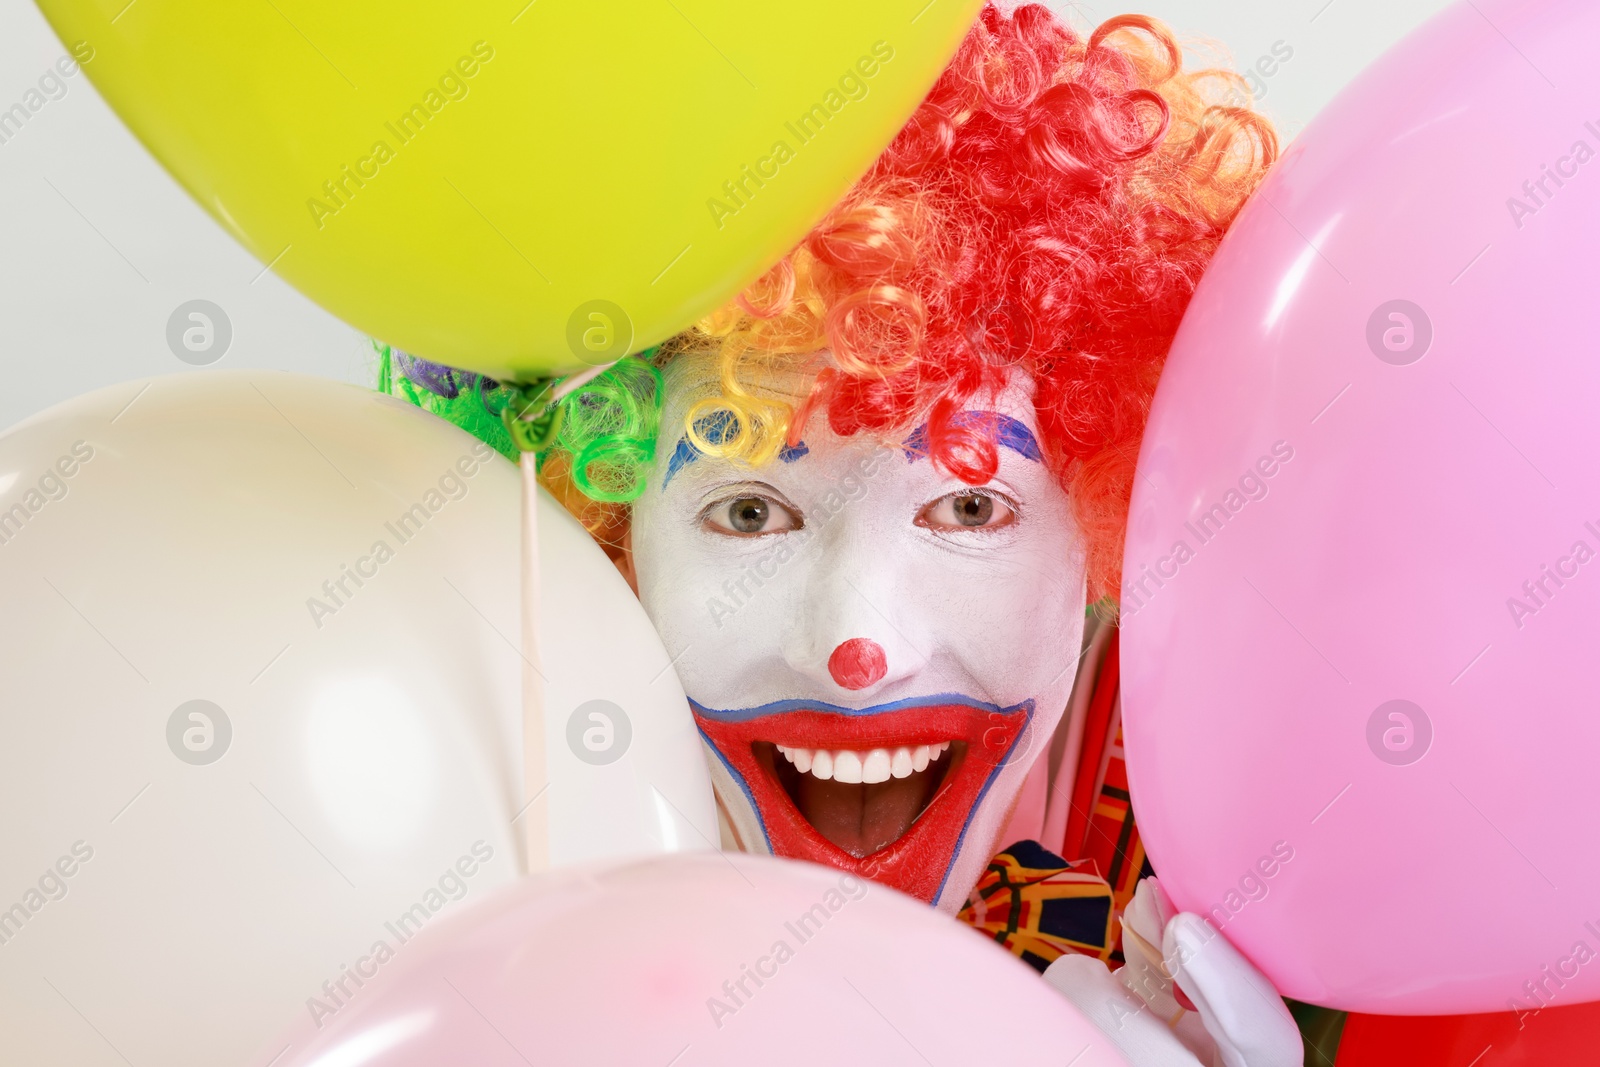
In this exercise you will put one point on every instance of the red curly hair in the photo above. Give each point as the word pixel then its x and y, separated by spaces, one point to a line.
pixel 1049 207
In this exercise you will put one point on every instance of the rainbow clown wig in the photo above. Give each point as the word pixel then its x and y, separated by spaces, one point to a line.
pixel 1049 207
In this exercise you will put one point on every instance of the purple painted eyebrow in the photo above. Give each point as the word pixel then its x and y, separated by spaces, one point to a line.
pixel 1008 433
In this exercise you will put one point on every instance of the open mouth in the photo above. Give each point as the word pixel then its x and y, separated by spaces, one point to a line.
pixel 861 801
pixel 883 792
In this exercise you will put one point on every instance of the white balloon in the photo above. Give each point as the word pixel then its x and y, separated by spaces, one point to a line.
pixel 259 651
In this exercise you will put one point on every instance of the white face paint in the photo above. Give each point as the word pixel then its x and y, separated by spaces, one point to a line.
pixel 875 650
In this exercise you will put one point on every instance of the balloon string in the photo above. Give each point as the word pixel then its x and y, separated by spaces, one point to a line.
pixel 578 380
pixel 535 813
pixel 533 418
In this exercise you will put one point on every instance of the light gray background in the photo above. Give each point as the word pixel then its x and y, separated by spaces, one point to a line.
pixel 98 245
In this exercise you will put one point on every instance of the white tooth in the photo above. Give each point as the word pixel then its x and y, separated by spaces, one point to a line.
pixel 801 757
pixel 788 755
pixel 934 752
pixel 875 768
pixel 846 766
pixel 822 764
pixel 919 758
pixel 901 766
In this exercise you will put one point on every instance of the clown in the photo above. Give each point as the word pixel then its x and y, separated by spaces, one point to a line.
pixel 875 509
pixel 857 629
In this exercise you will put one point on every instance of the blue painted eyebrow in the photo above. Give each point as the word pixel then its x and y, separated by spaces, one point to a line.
pixel 1008 433
pixel 718 428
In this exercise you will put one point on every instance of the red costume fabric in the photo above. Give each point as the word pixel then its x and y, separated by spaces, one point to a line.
pixel 1101 825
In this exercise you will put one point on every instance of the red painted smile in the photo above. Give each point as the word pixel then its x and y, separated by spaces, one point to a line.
pixel 886 793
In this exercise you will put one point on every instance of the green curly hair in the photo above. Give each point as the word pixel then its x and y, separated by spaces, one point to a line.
pixel 604 431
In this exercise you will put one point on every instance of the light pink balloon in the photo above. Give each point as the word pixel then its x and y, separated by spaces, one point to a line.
pixel 643 964
pixel 1442 854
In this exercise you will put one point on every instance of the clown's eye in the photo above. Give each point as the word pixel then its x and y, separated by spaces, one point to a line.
pixel 968 510
pixel 750 516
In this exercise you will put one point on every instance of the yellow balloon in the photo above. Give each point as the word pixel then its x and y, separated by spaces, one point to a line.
pixel 522 187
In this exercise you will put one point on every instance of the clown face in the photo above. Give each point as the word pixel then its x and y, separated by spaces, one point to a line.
pixel 874 650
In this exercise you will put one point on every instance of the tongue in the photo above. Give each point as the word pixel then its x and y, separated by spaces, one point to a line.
pixel 863 818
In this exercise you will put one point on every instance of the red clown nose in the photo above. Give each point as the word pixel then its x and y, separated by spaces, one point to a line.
pixel 857 663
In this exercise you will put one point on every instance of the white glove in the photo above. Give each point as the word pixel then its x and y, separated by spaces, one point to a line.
pixel 1238 1018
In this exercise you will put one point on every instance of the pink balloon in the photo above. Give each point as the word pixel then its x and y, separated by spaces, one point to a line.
pixel 677 960
pixel 1362 583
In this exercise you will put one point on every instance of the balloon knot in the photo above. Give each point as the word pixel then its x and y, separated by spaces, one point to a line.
pixel 531 415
